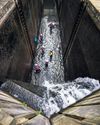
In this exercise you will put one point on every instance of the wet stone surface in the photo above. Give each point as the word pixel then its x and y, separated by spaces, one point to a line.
pixel 5 6
pixel 59 94
pixel 50 93
pixel 51 42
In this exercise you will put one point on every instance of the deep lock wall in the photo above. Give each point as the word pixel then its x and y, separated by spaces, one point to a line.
pixel 84 57
pixel 16 53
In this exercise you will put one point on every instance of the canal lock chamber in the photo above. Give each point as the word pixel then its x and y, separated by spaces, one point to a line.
pixel 80 56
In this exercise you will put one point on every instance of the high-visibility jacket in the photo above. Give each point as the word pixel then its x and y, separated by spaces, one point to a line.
pixel 50 53
pixel 35 40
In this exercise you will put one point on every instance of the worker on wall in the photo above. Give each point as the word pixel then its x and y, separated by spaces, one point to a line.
pixel 51 25
pixel 41 38
pixel 46 64
pixel 42 51
pixel 51 55
pixel 37 68
pixel 35 40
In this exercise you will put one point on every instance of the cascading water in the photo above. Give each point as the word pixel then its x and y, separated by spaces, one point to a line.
pixel 50 93
pixel 59 94
pixel 55 71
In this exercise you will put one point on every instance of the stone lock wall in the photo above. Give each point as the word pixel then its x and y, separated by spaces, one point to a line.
pixel 16 52
pixel 84 57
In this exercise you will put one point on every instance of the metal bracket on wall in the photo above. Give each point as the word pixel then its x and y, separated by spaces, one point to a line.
pixel 75 30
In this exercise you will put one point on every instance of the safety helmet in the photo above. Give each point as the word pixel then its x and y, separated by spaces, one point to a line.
pixel 36 64
pixel 53 23
pixel 46 60
pixel 41 34
pixel 43 47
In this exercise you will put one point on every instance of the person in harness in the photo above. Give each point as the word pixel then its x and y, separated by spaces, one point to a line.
pixel 51 25
pixel 51 55
pixel 46 64
pixel 35 40
pixel 42 51
pixel 37 68
pixel 41 38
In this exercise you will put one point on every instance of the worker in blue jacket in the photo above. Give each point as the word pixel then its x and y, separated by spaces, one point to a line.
pixel 36 40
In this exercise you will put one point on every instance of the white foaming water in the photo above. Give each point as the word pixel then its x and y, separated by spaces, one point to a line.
pixel 58 96
pixel 62 95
